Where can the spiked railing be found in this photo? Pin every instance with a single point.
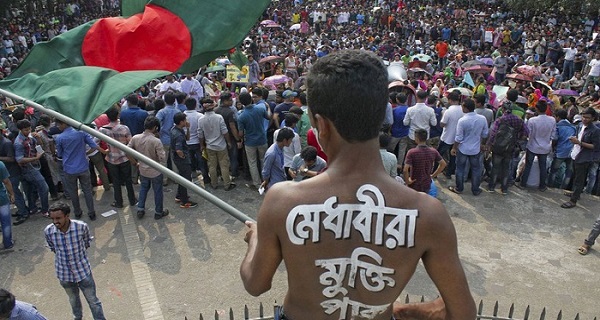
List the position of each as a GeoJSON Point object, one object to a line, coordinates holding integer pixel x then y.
{"type": "Point", "coordinates": [480, 313]}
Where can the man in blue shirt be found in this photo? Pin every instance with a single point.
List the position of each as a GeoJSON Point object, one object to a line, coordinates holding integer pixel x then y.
{"type": "Point", "coordinates": [70, 148]}
{"type": "Point", "coordinates": [165, 116]}
{"type": "Point", "coordinates": [470, 130]}
{"type": "Point", "coordinates": [13, 309]}
{"type": "Point", "coordinates": [250, 127]}
{"type": "Point", "coordinates": [563, 147]}
{"type": "Point", "coordinates": [133, 117]}
{"type": "Point", "coordinates": [399, 130]}
{"type": "Point", "coordinates": [273, 170]}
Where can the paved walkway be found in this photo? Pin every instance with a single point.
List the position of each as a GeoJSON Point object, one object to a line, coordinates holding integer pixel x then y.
{"type": "Point", "coordinates": [518, 248]}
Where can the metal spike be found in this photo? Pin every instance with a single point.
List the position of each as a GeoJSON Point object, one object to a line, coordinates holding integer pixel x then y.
{"type": "Point", "coordinates": [559, 315]}
{"type": "Point", "coordinates": [480, 309]}
{"type": "Point", "coordinates": [495, 309]}
{"type": "Point", "coordinates": [407, 299]}
{"type": "Point", "coordinates": [577, 316]}
{"type": "Point", "coordinates": [261, 310]}
{"type": "Point", "coordinates": [246, 312]}
{"type": "Point", "coordinates": [511, 311]}
{"type": "Point", "coordinates": [543, 315]}
{"type": "Point", "coordinates": [231, 314]}
{"type": "Point", "coordinates": [201, 317]}
{"type": "Point", "coordinates": [422, 298]}
{"type": "Point", "coordinates": [526, 317]}
{"type": "Point", "coordinates": [216, 315]}
{"type": "Point", "coordinates": [185, 317]}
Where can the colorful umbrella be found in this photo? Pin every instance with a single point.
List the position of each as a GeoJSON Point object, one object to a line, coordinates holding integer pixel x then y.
{"type": "Point", "coordinates": [266, 22]}
{"type": "Point", "coordinates": [472, 63]}
{"type": "Point", "coordinates": [396, 72]}
{"type": "Point", "coordinates": [463, 91]}
{"type": "Point", "coordinates": [273, 81]}
{"type": "Point", "coordinates": [272, 25]}
{"type": "Point", "coordinates": [295, 27]}
{"type": "Point", "coordinates": [270, 59]}
{"type": "Point", "coordinates": [530, 71]}
{"type": "Point", "coordinates": [414, 70]}
{"type": "Point", "coordinates": [542, 83]}
{"type": "Point", "coordinates": [401, 84]}
{"type": "Point", "coordinates": [488, 61]}
{"type": "Point", "coordinates": [481, 68]}
{"type": "Point", "coordinates": [421, 57]}
{"type": "Point", "coordinates": [518, 76]}
{"type": "Point", "coordinates": [565, 92]}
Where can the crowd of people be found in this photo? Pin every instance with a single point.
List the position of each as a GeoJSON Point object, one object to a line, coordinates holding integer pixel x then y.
{"type": "Point", "coordinates": [477, 92]}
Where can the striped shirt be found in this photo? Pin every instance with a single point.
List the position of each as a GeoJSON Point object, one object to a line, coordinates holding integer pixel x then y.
{"type": "Point", "coordinates": [120, 133]}
{"type": "Point", "coordinates": [70, 261]}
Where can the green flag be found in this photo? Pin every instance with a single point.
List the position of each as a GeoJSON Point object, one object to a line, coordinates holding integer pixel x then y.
{"type": "Point", "coordinates": [82, 72]}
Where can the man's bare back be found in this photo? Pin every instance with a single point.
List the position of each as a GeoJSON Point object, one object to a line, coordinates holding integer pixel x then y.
{"type": "Point", "coordinates": [351, 239]}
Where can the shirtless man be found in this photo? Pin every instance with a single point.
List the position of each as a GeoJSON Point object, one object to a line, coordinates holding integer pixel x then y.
{"type": "Point", "coordinates": [352, 236]}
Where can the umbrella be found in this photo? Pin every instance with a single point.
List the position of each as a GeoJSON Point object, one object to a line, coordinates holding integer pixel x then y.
{"type": "Point", "coordinates": [481, 68]}
{"type": "Point", "coordinates": [396, 72]}
{"type": "Point", "coordinates": [295, 27]}
{"type": "Point", "coordinates": [472, 63]}
{"type": "Point", "coordinates": [413, 70]}
{"type": "Point", "coordinates": [518, 76]}
{"type": "Point", "coordinates": [272, 25]}
{"type": "Point", "coordinates": [463, 91]}
{"type": "Point", "coordinates": [214, 69]}
{"type": "Point", "coordinates": [488, 61]}
{"type": "Point", "coordinates": [421, 57]}
{"type": "Point", "coordinates": [270, 59]}
{"type": "Point", "coordinates": [543, 84]}
{"type": "Point", "coordinates": [401, 84]}
{"type": "Point", "coordinates": [529, 71]}
{"type": "Point", "coordinates": [273, 81]}
{"type": "Point", "coordinates": [266, 22]}
{"type": "Point", "coordinates": [565, 92]}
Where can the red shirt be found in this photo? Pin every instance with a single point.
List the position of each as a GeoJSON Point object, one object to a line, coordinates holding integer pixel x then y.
{"type": "Point", "coordinates": [311, 140]}
{"type": "Point", "coordinates": [421, 160]}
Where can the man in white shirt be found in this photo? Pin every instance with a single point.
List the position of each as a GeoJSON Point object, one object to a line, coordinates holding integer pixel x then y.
{"type": "Point", "coordinates": [419, 116]}
{"type": "Point", "coordinates": [192, 88]}
{"type": "Point", "coordinates": [594, 70]}
{"type": "Point", "coordinates": [170, 84]}
{"type": "Point", "coordinates": [569, 64]}
{"type": "Point", "coordinates": [448, 123]}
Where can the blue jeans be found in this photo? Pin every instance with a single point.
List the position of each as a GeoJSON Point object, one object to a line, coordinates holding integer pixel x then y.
{"type": "Point", "coordinates": [591, 178]}
{"type": "Point", "coordinates": [591, 238]}
{"type": "Point", "coordinates": [476, 164]}
{"type": "Point", "coordinates": [157, 185]}
{"type": "Point", "coordinates": [22, 210]}
{"type": "Point", "coordinates": [233, 160]}
{"type": "Point", "coordinates": [88, 287]}
{"type": "Point", "coordinates": [529, 156]}
{"type": "Point", "coordinates": [38, 183]}
{"type": "Point", "coordinates": [556, 163]}
{"type": "Point", "coordinates": [198, 162]}
{"type": "Point", "coordinates": [86, 187]}
{"type": "Point", "coordinates": [6, 226]}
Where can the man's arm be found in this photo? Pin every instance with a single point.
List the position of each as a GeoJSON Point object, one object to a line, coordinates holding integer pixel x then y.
{"type": "Point", "coordinates": [441, 167]}
{"type": "Point", "coordinates": [264, 250]}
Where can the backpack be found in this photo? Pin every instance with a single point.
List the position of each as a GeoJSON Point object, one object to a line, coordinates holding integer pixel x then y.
{"type": "Point", "coordinates": [505, 139]}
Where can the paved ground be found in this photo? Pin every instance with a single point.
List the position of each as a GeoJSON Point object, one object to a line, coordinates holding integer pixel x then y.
{"type": "Point", "coordinates": [519, 248]}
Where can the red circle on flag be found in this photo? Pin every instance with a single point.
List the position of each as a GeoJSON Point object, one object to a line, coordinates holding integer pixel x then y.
{"type": "Point", "coordinates": [154, 40]}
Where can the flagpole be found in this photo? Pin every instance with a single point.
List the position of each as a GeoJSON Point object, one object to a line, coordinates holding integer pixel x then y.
{"type": "Point", "coordinates": [135, 154]}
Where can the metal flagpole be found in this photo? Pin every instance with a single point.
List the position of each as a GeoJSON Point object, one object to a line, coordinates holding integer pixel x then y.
{"type": "Point", "coordinates": [133, 153]}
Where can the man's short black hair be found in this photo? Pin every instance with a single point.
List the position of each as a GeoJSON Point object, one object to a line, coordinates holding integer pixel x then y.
{"type": "Point", "coordinates": [284, 134]}
{"type": "Point", "coordinates": [150, 122]}
{"type": "Point", "coordinates": [469, 104]}
{"type": "Point", "coordinates": [309, 153]}
{"type": "Point", "coordinates": [225, 96]}
{"type": "Point", "coordinates": [158, 104]}
{"type": "Point", "coordinates": [561, 114]}
{"type": "Point", "coordinates": [60, 206]}
{"type": "Point", "coordinates": [512, 95]}
{"type": "Point", "coordinates": [132, 100]}
{"type": "Point", "coordinates": [178, 117]}
{"type": "Point", "coordinates": [349, 88]}
{"type": "Point", "coordinates": [454, 95]}
{"type": "Point", "coordinates": [7, 303]}
{"type": "Point", "coordinates": [190, 103]}
{"type": "Point", "coordinates": [112, 113]}
{"type": "Point", "coordinates": [169, 98]}
{"type": "Point", "coordinates": [384, 140]}
{"type": "Point", "coordinates": [245, 98]}
{"type": "Point", "coordinates": [401, 98]}
{"type": "Point", "coordinates": [590, 111]}
{"type": "Point", "coordinates": [23, 123]}
{"type": "Point", "coordinates": [479, 98]}
{"type": "Point", "coordinates": [541, 106]}
{"type": "Point", "coordinates": [290, 119]}
{"type": "Point", "coordinates": [422, 94]}
{"type": "Point", "coordinates": [180, 97]}
{"type": "Point", "coordinates": [421, 135]}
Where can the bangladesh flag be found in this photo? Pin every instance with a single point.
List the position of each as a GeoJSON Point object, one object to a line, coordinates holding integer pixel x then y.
{"type": "Point", "coordinates": [84, 71]}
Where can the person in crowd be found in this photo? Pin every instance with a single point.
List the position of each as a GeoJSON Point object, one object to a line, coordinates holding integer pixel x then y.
{"type": "Point", "coordinates": [229, 115]}
{"type": "Point", "coordinates": [390, 162]}
{"type": "Point", "coordinates": [399, 131]}
{"type": "Point", "coordinates": [149, 145]}
{"type": "Point", "coordinates": [418, 171]}
{"type": "Point", "coordinates": [294, 148]}
{"type": "Point", "coordinates": [69, 240]}
{"type": "Point", "coordinates": [339, 102]}
{"type": "Point", "coordinates": [215, 138]}
{"type": "Point", "coordinates": [7, 196]}
{"type": "Point", "coordinates": [471, 132]}
{"type": "Point", "coordinates": [198, 162]}
{"type": "Point", "coordinates": [306, 164]}
{"type": "Point", "coordinates": [273, 169]}
{"type": "Point", "coordinates": [119, 164]}
{"type": "Point", "coordinates": [251, 128]}
{"type": "Point", "coordinates": [70, 147]}
{"type": "Point", "coordinates": [181, 157]}
{"type": "Point", "coordinates": [13, 309]}
{"type": "Point", "coordinates": [419, 116]}
{"type": "Point", "coordinates": [586, 150]}
{"type": "Point", "coordinates": [7, 156]}
{"type": "Point", "coordinates": [562, 150]}
{"type": "Point", "coordinates": [449, 122]}
{"type": "Point", "coordinates": [166, 116]}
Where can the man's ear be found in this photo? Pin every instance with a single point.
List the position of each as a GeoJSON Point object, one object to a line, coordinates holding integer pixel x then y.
{"type": "Point", "coordinates": [324, 127]}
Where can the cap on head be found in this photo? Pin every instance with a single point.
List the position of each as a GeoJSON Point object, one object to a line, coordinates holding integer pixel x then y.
{"type": "Point", "coordinates": [288, 94]}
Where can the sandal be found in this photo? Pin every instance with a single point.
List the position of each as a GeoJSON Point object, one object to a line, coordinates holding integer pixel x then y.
{"type": "Point", "coordinates": [568, 193]}
{"type": "Point", "coordinates": [568, 205]}
{"type": "Point", "coordinates": [453, 189]}
{"type": "Point", "coordinates": [583, 250]}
